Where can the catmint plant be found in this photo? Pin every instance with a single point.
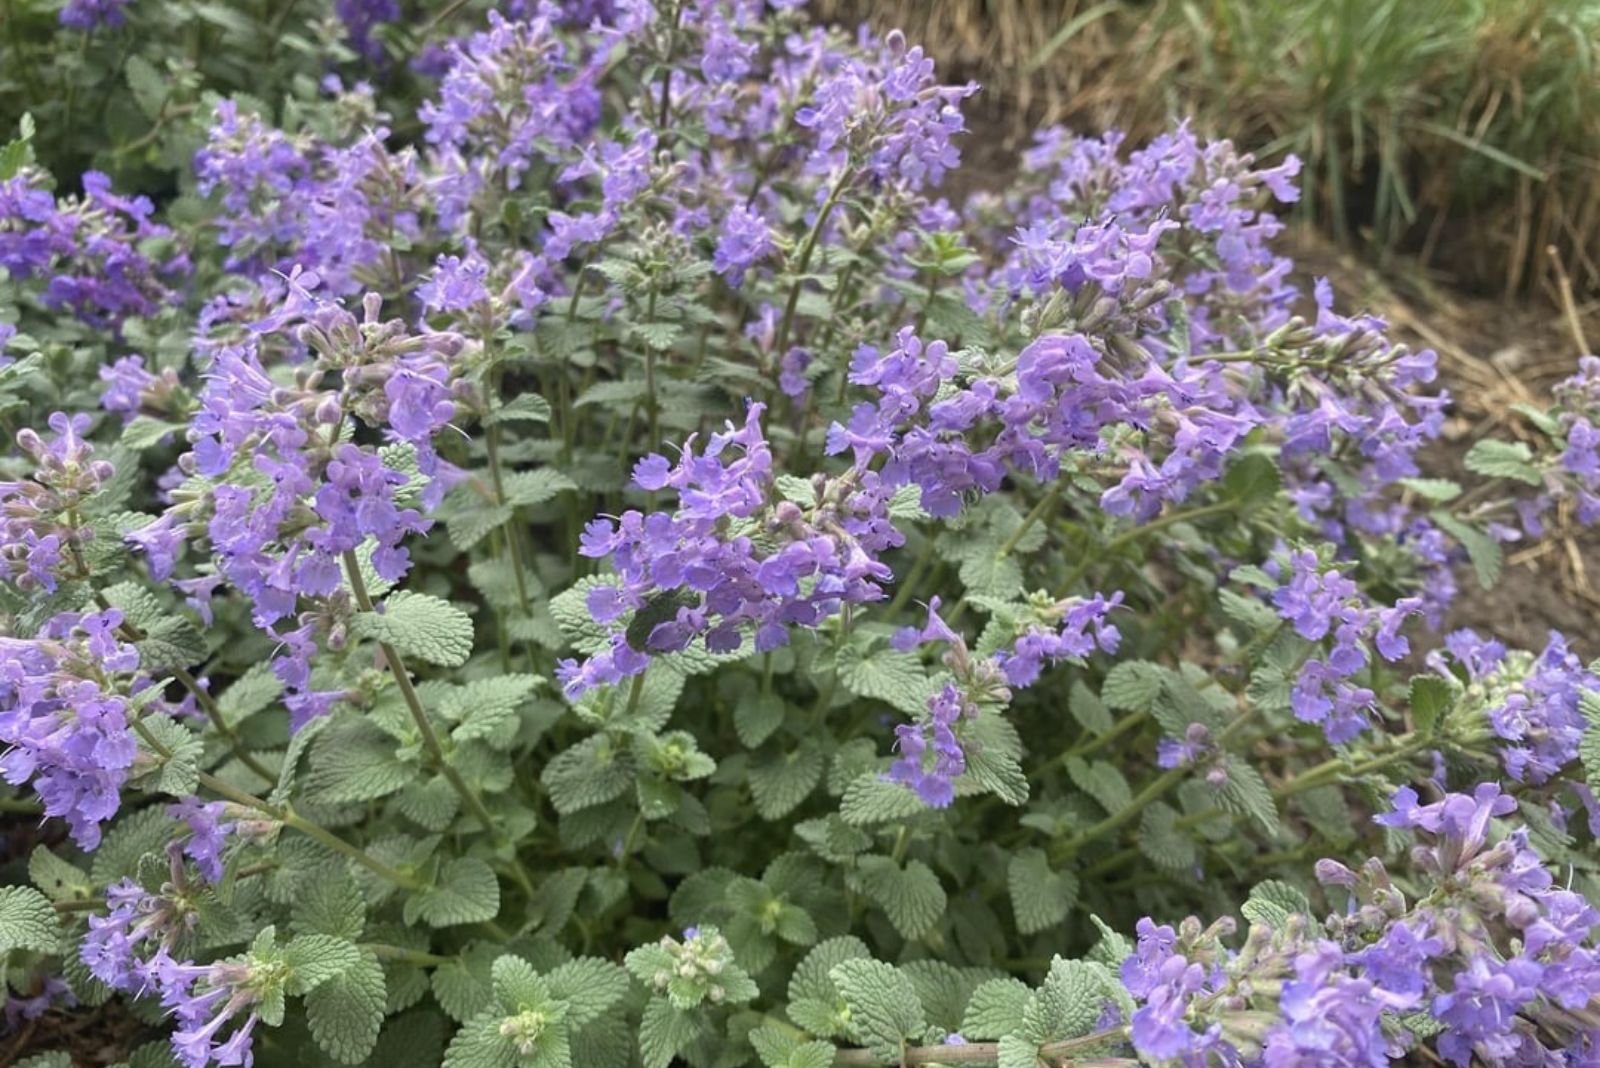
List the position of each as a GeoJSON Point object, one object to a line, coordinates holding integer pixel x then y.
{"type": "Point", "coordinates": [551, 535]}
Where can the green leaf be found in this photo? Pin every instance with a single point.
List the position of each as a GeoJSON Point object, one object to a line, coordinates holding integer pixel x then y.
{"type": "Point", "coordinates": [535, 487]}
{"type": "Point", "coordinates": [60, 880]}
{"type": "Point", "coordinates": [251, 692]}
{"type": "Point", "coordinates": [1040, 896]}
{"type": "Point", "coordinates": [1431, 698]}
{"type": "Point", "coordinates": [589, 986]}
{"type": "Point", "coordinates": [780, 783]}
{"type": "Point", "coordinates": [479, 1044]}
{"type": "Point", "coordinates": [885, 1012]}
{"type": "Point", "coordinates": [1245, 793]}
{"type": "Point", "coordinates": [885, 675]}
{"type": "Point", "coordinates": [525, 407]}
{"type": "Point", "coordinates": [1436, 490]}
{"type": "Point", "coordinates": [1088, 709]}
{"type": "Point", "coordinates": [995, 1009]}
{"type": "Point", "coordinates": [1589, 745]}
{"type": "Point", "coordinates": [313, 959]}
{"type": "Point", "coordinates": [1482, 549]}
{"type": "Point", "coordinates": [1273, 902]}
{"type": "Point", "coordinates": [590, 773]}
{"type": "Point", "coordinates": [356, 761]}
{"type": "Point", "coordinates": [664, 1032]}
{"type": "Point", "coordinates": [1102, 781]}
{"type": "Point", "coordinates": [1503, 459]}
{"type": "Point", "coordinates": [346, 1012]}
{"type": "Point", "coordinates": [1162, 842]}
{"type": "Point", "coordinates": [814, 1000]}
{"type": "Point", "coordinates": [911, 897]}
{"type": "Point", "coordinates": [421, 626]}
{"type": "Point", "coordinates": [1252, 481]}
{"type": "Point", "coordinates": [869, 800]}
{"type": "Point", "coordinates": [1133, 685]}
{"type": "Point", "coordinates": [756, 717]}
{"type": "Point", "coordinates": [1069, 1002]}
{"type": "Point", "coordinates": [27, 921]}
{"type": "Point", "coordinates": [330, 904]}
{"type": "Point", "coordinates": [177, 773]}
{"type": "Point", "coordinates": [487, 708]}
{"type": "Point", "coordinates": [466, 892]}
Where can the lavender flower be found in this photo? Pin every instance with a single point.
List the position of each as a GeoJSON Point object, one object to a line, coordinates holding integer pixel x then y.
{"type": "Point", "coordinates": [67, 732]}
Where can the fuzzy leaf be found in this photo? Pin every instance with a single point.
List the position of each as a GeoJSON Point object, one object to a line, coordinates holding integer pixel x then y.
{"type": "Point", "coordinates": [1503, 459]}
{"type": "Point", "coordinates": [781, 783]}
{"type": "Point", "coordinates": [346, 1012]}
{"type": "Point", "coordinates": [27, 921]}
{"type": "Point", "coordinates": [1040, 896]}
{"type": "Point", "coordinates": [995, 1009]}
{"type": "Point", "coordinates": [912, 896]}
{"type": "Point", "coordinates": [885, 1012]}
{"type": "Point", "coordinates": [467, 892]}
{"type": "Point", "coordinates": [420, 625]}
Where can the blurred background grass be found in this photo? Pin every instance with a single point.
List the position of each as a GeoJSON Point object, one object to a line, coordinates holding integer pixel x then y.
{"type": "Point", "coordinates": [1461, 135]}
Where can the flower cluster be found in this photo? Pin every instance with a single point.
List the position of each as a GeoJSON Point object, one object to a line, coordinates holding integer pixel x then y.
{"type": "Point", "coordinates": [66, 721]}
{"type": "Point", "coordinates": [42, 520]}
{"type": "Point", "coordinates": [1529, 702]}
{"type": "Point", "coordinates": [1498, 954]}
{"type": "Point", "coordinates": [100, 255]}
{"type": "Point", "coordinates": [1321, 603]}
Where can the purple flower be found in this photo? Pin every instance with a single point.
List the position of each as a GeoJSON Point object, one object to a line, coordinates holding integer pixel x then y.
{"type": "Point", "coordinates": [87, 14]}
{"type": "Point", "coordinates": [745, 240]}
{"type": "Point", "coordinates": [67, 735]}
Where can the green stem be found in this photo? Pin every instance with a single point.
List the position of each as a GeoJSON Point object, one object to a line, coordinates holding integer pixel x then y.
{"type": "Point", "coordinates": [1152, 792]}
{"type": "Point", "coordinates": [402, 955]}
{"type": "Point", "coordinates": [804, 263]}
{"type": "Point", "coordinates": [1129, 536]}
{"type": "Point", "coordinates": [286, 815]}
{"type": "Point", "coordinates": [1100, 741]}
{"type": "Point", "coordinates": [1029, 520]}
{"type": "Point", "coordinates": [214, 713]}
{"type": "Point", "coordinates": [419, 716]}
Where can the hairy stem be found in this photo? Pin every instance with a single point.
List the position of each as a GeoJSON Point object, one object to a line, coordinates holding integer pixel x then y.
{"type": "Point", "coordinates": [419, 716]}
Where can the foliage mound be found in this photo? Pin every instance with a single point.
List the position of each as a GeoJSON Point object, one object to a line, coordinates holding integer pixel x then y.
{"type": "Point", "coordinates": [601, 566]}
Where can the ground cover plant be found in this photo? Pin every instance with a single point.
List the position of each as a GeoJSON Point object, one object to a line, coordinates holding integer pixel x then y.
{"type": "Point", "coordinates": [556, 546]}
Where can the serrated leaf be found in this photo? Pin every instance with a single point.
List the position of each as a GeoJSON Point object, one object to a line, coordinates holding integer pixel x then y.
{"type": "Point", "coordinates": [1162, 842]}
{"type": "Point", "coordinates": [535, 487]}
{"type": "Point", "coordinates": [781, 782]}
{"type": "Point", "coordinates": [330, 904]}
{"type": "Point", "coordinates": [589, 773]}
{"type": "Point", "coordinates": [1040, 896]}
{"type": "Point", "coordinates": [27, 921]}
{"type": "Point", "coordinates": [1245, 793]}
{"type": "Point", "coordinates": [346, 1012]}
{"type": "Point", "coordinates": [421, 626]}
{"type": "Point", "coordinates": [885, 1013]}
{"type": "Point", "coordinates": [589, 986]}
{"type": "Point", "coordinates": [313, 959]}
{"type": "Point", "coordinates": [756, 717]}
{"type": "Point", "coordinates": [995, 1009]}
{"type": "Point", "coordinates": [1503, 459]}
{"type": "Point", "coordinates": [885, 675]}
{"type": "Point", "coordinates": [663, 1032]}
{"type": "Point", "coordinates": [1273, 902]}
{"type": "Point", "coordinates": [1431, 698]}
{"type": "Point", "coordinates": [58, 879]}
{"type": "Point", "coordinates": [1102, 781]}
{"type": "Point", "coordinates": [466, 892]}
{"type": "Point", "coordinates": [1069, 1002]}
{"type": "Point", "coordinates": [1133, 685]}
{"type": "Point", "coordinates": [912, 897]}
{"type": "Point", "coordinates": [869, 800]}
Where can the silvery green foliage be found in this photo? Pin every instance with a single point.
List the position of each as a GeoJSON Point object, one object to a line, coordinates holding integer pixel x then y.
{"type": "Point", "coordinates": [599, 565]}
